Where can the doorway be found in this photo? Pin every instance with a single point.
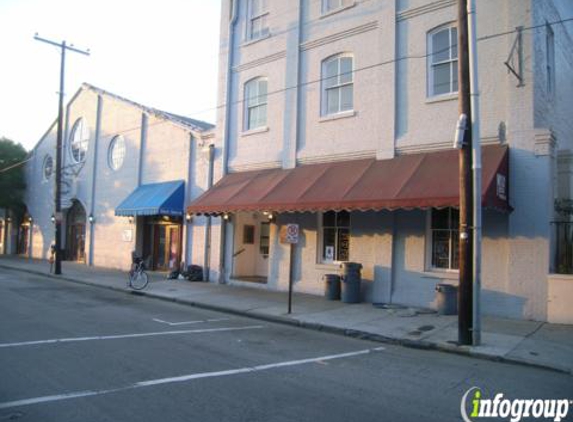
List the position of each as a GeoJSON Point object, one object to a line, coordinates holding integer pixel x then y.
{"type": "Point", "coordinates": [251, 247]}
{"type": "Point", "coordinates": [24, 238]}
{"type": "Point", "coordinates": [162, 243]}
{"type": "Point", "coordinates": [76, 233]}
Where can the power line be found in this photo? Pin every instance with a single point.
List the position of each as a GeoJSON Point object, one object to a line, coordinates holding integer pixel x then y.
{"type": "Point", "coordinates": [375, 65]}
{"type": "Point", "coordinates": [16, 165]}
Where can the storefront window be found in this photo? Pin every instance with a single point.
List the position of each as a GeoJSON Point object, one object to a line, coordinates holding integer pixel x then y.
{"type": "Point", "coordinates": [445, 235]}
{"type": "Point", "coordinates": [335, 236]}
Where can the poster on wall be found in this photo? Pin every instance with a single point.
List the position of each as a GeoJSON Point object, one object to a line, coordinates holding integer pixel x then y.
{"type": "Point", "coordinates": [127, 235]}
{"type": "Point", "coordinates": [329, 253]}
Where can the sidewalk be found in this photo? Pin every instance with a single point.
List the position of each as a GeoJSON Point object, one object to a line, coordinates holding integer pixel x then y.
{"type": "Point", "coordinates": [525, 342]}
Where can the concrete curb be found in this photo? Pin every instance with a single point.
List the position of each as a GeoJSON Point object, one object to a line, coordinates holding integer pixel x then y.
{"type": "Point", "coordinates": [363, 335]}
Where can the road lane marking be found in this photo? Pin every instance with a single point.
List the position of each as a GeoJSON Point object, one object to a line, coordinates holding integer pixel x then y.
{"type": "Point", "coordinates": [174, 324]}
{"type": "Point", "coordinates": [122, 336]}
{"type": "Point", "coordinates": [183, 378]}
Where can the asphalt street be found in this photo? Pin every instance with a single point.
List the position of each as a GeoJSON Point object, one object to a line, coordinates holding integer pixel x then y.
{"type": "Point", "coordinates": [72, 352]}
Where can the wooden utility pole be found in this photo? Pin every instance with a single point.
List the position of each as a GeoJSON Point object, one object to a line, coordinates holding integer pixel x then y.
{"type": "Point", "coordinates": [58, 189]}
{"type": "Point", "coordinates": [465, 291]}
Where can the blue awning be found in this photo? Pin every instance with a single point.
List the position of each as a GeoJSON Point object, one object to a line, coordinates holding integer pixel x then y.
{"type": "Point", "coordinates": [154, 199]}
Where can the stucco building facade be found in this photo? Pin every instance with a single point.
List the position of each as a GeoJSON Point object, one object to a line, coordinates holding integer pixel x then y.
{"type": "Point", "coordinates": [113, 148]}
{"type": "Point", "coordinates": [311, 83]}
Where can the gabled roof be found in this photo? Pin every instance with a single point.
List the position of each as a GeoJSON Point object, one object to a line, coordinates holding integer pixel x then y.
{"type": "Point", "coordinates": [193, 124]}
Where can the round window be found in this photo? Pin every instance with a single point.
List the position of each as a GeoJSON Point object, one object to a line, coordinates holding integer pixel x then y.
{"type": "Point", "coordinates": [116, 153]}
{"type": "Point", "coordinates": [79, 140]}
{"type": "Point", "coordinates": [48, 167]}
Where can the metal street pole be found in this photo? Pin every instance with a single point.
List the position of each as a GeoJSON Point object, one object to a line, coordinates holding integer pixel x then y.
{"type": "Point", "coordinates": [476, 159]}
{"type": "Point", "coordinates": [57, 192]}
{"type": "Point", "coordinates": [465, 296]}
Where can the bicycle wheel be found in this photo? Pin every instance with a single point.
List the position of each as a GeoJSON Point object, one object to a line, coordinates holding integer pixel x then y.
{"type": "Point", "coordinates": [139, 280]}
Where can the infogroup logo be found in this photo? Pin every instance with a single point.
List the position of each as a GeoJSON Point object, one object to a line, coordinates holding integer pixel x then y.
{"type": "Point", "coordinates": [515, 410]}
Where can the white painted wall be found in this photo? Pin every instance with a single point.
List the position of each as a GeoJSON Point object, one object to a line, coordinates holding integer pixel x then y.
{"type": "Point", "coordinates": [393, 115]}
{"type": "Point", "coordinates": [169, 153]}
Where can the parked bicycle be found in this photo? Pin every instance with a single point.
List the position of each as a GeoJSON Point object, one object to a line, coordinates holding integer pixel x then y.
{"type": "Point", "coordinates": [138, 279]}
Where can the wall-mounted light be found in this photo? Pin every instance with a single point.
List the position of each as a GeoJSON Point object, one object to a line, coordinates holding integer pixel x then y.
{"type": "Point", "coordinates": [188, 217]}
{"type": "Point", "coordinates": [91, 219]}
{"type": "Point", "coordinates": [30, 220]}
{"type": "Point", "coordinates": [9, 219]}
{"type": "Point", "coordinates": [53, 218]}
{"type": "Point", "coordinates": [271, 216]}
{"type": "Point", "coordinates": [226, 217]}
{"type": "Point", "coordinates": [130, 219]}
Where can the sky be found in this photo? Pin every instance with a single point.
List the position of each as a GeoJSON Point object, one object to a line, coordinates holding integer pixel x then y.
{"type": "Point", "coordinates": [162, 54]}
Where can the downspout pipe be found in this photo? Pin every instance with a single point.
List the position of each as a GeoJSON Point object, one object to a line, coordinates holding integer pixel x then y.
{"type": "Point", "coordinates": [476, 168]}
{"type": "Point", "coordinates": [228, 104]}
{"type": "Point", "coordinates": [207, 262]}
{"type": "Point", "coordinates": [94, 179]}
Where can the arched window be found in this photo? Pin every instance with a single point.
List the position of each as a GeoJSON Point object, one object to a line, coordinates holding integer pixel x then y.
{"type": "Point", "coordinates": [116, 152]}
{"type": "Point", "coordinates": [256, 103]}
{"type": "Point", "coordinates": [443, 61]}
{"type": "Point", "coordinates": [48, 167]}
{"type": "Point", "coordinates": [79, 140]}
{"type": "Point", "coordinates": [337, 84]}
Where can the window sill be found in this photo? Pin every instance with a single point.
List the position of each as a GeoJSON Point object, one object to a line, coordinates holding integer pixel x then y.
{"type": "Point", "coordinates": [255, 40]}
{"type": "Point", "coordinates": [338, 10]}
{"type": "Point", "coordinates": [441, 98]}
{"type": "Point", "coordinates": [328, 266]}
{"type": "Point", "coordinates": [438, 274]}
{"type": "Point", "coordinates": [336, 116]}
{"type": "Point", "coordinates": [255, 131]}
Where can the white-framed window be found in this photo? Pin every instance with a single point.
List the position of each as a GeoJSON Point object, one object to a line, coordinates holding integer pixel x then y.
{"type": "Point", "coordinates": [331, 5]}
{"type": "Point", "coordinates": [337, 84]}
{"type": "Point", "coordinates": [335, 236]}
{"type": "Point", "coordinates": [79, 140]}
{"type": "Point", "coordinates": [256, 103]}
{"type": "Point", "coordinates": [257, 26]}
{"type": "Point", "coordinates": [443, 61]}
{"type": "Point", "coordinates": [116, 152]}
{"type": "Point", "coordinates": [444, 239]}
{"type": "Point", "coordinates": [48, 167]}
{"type": "Point", "coordinates": [550, 59]}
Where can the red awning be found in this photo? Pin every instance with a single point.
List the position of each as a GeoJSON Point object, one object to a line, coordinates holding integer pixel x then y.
{"type": "Point", "coordinates": [405, 182]}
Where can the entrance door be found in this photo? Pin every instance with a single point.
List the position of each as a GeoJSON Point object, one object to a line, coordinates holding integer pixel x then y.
{"type": "Point", "coordinates": [23, 239]}
{"type": "Point", "coordinates": [165, 242]}
{"type": "Point", "coordinates": [262, 256]}
{"type": "Point", "coordinates": [76, 233]}
{"type": "Point", "coordinates": [77, 245]}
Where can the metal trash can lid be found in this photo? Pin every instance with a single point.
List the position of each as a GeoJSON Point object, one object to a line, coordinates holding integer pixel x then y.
{"type": "Point", "coordinates": [446, 288]}
{"type": "Point", "coordinates": [351, 265]}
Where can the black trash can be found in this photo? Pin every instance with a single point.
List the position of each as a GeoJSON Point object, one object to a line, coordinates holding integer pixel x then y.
{"type": "Point", "coordinates": [331, 286]}
{"type": "Point", "coordinates": [351, 277]}
{"type": "Point", "coordinates": [447, 299]}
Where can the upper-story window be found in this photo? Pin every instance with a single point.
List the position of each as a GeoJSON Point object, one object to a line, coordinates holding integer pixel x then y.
{"type": "Point", "coordinates": [79, 140]}
{"type": "Point", "coordinates": [256, 103]}
{"type": "Point", "coordinates": [116, 152]}
{"type": "Point", "coordinates": [48, 167]}
{"type": "Point", "coordinates": [550, 51]}
{"type": "Point", "coordinates": [257, 22]}
{"type": "Point", "coordinates": [331, 5]}
{"type": "Point", "coordinates": [443, 61]}
{"type": "Point", "coordinates": [337, 84]}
